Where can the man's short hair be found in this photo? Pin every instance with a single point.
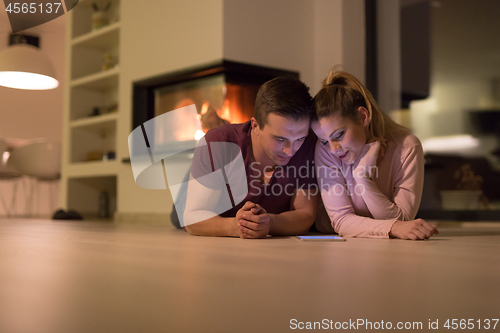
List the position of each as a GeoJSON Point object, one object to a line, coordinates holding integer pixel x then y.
{"type": "Point", "coordinates": [286, 96]}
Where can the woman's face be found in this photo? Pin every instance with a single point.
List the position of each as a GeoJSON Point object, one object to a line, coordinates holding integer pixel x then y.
{"type": "Point", "coordinates": [344, 137]}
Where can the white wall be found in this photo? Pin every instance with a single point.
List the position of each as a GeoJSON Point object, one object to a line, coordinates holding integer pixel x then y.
{"type": "Point", "coordinates": [158, 37]}
{"type": "Point", "coordinates": [328, 32]}
{"type": "Point", "coordinates": [26, 114]}
{"type": "Point", "coordinates": [278, 33]}
{"type": "Point", "coordinates": [353, 38]}
{"type": "Point", "coordinates": [339, 39]}
{"type": "Point", "coordinates": [302, 35]}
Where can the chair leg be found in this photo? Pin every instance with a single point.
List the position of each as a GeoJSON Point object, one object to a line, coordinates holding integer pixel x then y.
{"type": "Point", "coordinates": [10, 209]}
{"type": "Point", "coordinates": [14, 198]}
{"type": "Point", "coordinates": [31, 197]}
{"type": "Point", "coordinates": [4, 204]}
{"type": "Point", "coordinates": [27, 193]}
{"type": "Point", "coordinates": [52, 207]}
{"type": "Point", "coordinates": [38, 198]}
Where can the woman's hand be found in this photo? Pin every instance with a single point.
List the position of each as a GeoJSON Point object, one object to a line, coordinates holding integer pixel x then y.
{"type": "Point", "coordinates": [367, 162]}
{"type": "Point", "coordinates": [414, 230]}
{"type": "Point", "coordinates": [383, 144]}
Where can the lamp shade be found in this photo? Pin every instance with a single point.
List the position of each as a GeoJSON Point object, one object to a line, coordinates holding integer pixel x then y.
{"type": "Point", "coordinates": [23, 66]}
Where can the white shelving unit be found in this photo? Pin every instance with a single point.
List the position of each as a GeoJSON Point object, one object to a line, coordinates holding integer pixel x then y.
{"type": "Point", "coordinates": [99, 39]}
{"type": "Point", "coordinates": [98, 81]}
{"type": "Point", "coordinates": [91, 86]}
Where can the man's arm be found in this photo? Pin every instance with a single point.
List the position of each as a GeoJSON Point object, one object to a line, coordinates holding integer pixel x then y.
{"type": "Point", "coordinates": [215, 226]}
{"type": "Point", "coordinates": [223, 226]}
{"type": "Point", "coordinates": [199, 216]}
{"type": "Point", "coordinates": [299, 218]}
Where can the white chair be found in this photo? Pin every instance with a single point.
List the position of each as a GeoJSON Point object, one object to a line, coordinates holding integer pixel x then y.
{"type": "Point", "coordinates": [10, 175]}
{"type": "Point", "coordinates": [40, 160]}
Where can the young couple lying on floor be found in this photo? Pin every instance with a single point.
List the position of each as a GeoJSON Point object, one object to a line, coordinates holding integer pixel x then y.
{"type": "Point", "coordinates": [265, 176]}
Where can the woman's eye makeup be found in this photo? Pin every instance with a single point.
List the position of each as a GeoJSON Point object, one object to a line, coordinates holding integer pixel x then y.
{"type": "Point", "coordinates": [340, 135]}
{"type": "Point", "coordinates": [337, 137]}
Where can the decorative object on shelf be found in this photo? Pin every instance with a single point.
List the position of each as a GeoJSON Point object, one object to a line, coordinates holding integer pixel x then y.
{"type": "Point", "coordinates": [24, 66]}
{"type": "Point", "coordinates": [108, 155]}
{"type": "Point", "coordinates": [468, 195]}
{"type": "Point", "coordinates": [99, 17]}
{"type": "Point", "coordinates": [109, 61]}
{"type": "Point", "coordinates": [112, 108]}
{"type": "Point", "coordinates": [95, 112]}
{"type": "Point", "coordinates": [99, 155]}
{"type": "Point", "coordinates": [95, 155]}
{"type": "Point", "coordinates": [101, 110]}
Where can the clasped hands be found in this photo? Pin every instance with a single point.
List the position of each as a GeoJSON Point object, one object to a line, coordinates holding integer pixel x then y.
{"type": "Point", "coordinates": [366, 163]}
{"type": "Point", "coordinates": [252, 221]}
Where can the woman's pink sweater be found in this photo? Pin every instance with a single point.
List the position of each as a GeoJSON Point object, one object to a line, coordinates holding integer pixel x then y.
{"type": "Point", "coordinates": [362, 207]}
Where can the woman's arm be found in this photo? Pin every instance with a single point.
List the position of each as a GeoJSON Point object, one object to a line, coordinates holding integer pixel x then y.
{"type": "Point", "coordinates": [407, 189]}
{"type": "Point", "coordinates": [339, 205]}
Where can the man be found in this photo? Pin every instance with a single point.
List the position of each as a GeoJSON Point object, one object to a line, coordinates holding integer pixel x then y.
{"type": "Point", "coordinates": [274, 160]}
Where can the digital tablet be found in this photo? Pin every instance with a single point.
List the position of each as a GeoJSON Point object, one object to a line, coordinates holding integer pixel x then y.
{"type": "Point", "coordinates": [325, 238]}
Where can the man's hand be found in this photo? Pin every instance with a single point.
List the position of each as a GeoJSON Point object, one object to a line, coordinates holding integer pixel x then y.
{"type": "Point", "coordinates": [253, 221]}
{"type": "Point", "coordinates": [239, 216]}
{"type": "Point", "coordinates": [414, 230]}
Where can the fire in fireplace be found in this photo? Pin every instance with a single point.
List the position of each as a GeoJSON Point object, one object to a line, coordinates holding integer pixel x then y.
{"type": "Point", "coordinates": [223, 92]}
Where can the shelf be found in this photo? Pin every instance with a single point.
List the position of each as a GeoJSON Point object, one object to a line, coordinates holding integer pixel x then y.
{"type": "Point", "coordinates": [88, 3]}
{"type": "Point", "coordinates": [98, 137]}
{"type": "Point", "coordinates": [81, 23]}
{"type": "Point", "coordinates": [95, 121]}
{"type": "Point", "coordinates": [86, 194]}
{"type": "Point", "coordinates": [90, 87]}
{"type": "Point", "coordinates": [92, 169]}
{"type": "Point", "coordinates": [99, 39]}
{"type": "Point", "coordinates": [102, 80]}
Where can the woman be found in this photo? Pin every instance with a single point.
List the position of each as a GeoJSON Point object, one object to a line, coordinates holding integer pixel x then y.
{"type": "Point", "coordinates": [370, 169]}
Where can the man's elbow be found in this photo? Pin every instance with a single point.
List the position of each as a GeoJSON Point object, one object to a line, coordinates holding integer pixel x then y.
{"type": "Point", "coordinates": [191, 220]}
{"type": "Point", "coordinates": [190, 229]}
{"type": "Point", "coordinates": [308, 221]}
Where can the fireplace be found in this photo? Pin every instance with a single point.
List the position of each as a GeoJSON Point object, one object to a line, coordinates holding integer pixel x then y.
{"type": "Point", "coordinates": [172, 112]}
{"type": "Point", "coordinates": [223, 92]}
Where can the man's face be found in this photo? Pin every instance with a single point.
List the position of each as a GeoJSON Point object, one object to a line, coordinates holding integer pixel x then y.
{"type": "Point", "coordinates": [281, 137]}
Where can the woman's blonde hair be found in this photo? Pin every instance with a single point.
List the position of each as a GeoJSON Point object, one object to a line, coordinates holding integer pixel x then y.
{"type": "Point", "coordinates": [342, 92]}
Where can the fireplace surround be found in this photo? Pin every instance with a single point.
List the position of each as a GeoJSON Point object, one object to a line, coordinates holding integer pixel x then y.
{"type": "Point", "coordinates": [162, 142]}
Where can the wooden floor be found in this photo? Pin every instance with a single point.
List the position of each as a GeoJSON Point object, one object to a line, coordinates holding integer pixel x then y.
{"type": "Point", "coordinates": [61, 276]}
